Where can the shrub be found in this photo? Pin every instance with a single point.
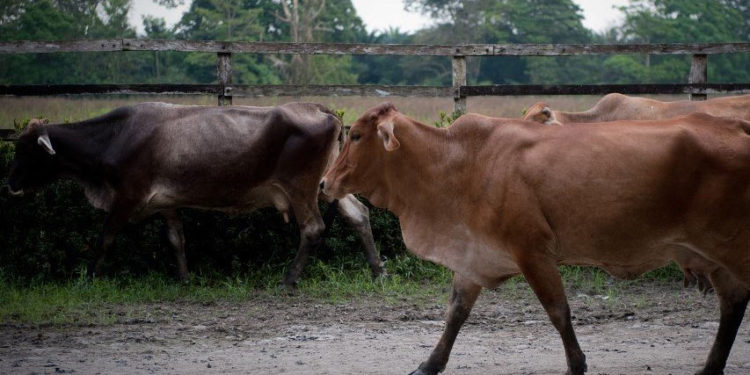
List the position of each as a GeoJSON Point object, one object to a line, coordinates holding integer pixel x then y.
{"type": "Point", "coordinates": [51, 235]}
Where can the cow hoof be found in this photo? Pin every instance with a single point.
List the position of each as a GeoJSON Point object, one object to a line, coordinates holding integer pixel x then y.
{"type": "Point", "coordinates": [420, 371]}
{"type": "Point", "coordinates": [288, 289]}
{"type": "Point", "coordinates": [709, 372]}
{"type": "Point", "coordinates": [578, 371]}
{"type": "Point", "coordinates": [424, 370]}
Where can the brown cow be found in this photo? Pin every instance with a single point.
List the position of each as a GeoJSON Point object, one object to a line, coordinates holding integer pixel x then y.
{"type": "Point", "coordinates": [517, 198]}
{"type": "Point", "coordinates": [155, 157]}
{"type": "Point", "coordinates": [614, 107]}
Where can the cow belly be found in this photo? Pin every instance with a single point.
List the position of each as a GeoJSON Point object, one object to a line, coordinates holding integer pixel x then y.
{"type": "Point", "coordinates": [230, 201]}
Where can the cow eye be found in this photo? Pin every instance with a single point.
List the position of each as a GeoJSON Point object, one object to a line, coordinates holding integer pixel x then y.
{"type": "Point", "coordinates": [354, 136]}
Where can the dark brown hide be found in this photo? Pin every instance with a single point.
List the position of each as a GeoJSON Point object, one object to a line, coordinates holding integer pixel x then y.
{"type": "Point", "coordinates": [156, 157]}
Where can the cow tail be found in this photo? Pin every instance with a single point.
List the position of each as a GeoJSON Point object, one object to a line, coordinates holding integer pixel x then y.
{"type": "Point", "coordinates": [339, 139]}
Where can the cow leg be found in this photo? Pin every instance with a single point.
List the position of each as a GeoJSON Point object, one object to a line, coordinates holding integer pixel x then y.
{"type": "Point", "coordinates": [733, 299]}
{"type": "Point", "coordinates": [176, 237]}
{"type": "Point", "coordinates": [545, 280]}
{"type": "Point", "coordinates": [114, 222]}
{"type": "Point", "coordinates": [358, 217]}
{"type": "Point", "coordinates": [310, 229]}
{"type": "Point", "coordinates": [462, 299]}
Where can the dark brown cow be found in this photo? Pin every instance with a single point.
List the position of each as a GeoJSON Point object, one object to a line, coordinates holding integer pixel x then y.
{"type": "Point", "coordinates": [518, 198]}
{"type": "Point", "coordinates": [155, 157]}
{"type": "Point", "coordinates": [614, 107]}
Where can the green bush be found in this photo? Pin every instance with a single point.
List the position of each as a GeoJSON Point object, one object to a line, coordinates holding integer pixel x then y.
{"type": "Point", "coordinates": [51, 235]}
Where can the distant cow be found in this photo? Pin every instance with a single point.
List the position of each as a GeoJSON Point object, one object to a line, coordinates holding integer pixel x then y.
{"type": "Point", "coordinates": [614, 107]}
{"type": "Point", "coordinates": [491, 198]}
{"type": "Point", "coordinates": [155, 157]}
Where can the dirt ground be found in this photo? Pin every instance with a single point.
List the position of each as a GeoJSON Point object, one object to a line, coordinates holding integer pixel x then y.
{"type": "Point", "coordinates": [642, 330]}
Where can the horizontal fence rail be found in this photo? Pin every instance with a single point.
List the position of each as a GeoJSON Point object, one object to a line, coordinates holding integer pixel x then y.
{"type": "Point", "coordinates": [383, 91]}
{"type": "Point", "coordinates": [112, 45]}
{"type": "Point", "coordinates": [697, 86]}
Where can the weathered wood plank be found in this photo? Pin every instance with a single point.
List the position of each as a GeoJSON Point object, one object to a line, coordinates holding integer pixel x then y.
{"type": "Point", "coordinates": [599, 49]}
{"type": "Point", "coordinates": [368, 49]}
{"type": "Point", "coordinates": [224, 73]}
{"type": "Point", "coordinates": [634, 89]}
{"type": "Point", "coordinates": [30, 46]}
{"type": "Point", "coordinates": [40, 90]}
{"type": "Point", "coordinates": [7, 134]}
{"type": "Point", "coordinates": [699, 74]}
{"type": "Point", "coordinates": [459, 79]}
{"type": "Point", "coordinates": [341, 90]}
{"type": "Point", "coordinates": [374, 90]}
{"type": "Point", "coordinates": [307, 48]}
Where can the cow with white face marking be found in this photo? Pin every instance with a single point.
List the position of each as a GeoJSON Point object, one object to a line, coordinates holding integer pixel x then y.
{"type": "Point", "coordinates": [155, 157]}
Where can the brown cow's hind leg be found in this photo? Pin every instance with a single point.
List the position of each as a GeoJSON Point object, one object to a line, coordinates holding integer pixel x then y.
{"type": "Point", "coordinates": [462, 299]}
{"type": "Point", "coordinates": [546, 282]}
{"type": "Point", "coordinates": [176, 237]}
{"type": "Point", "coordinates": [733, 299]}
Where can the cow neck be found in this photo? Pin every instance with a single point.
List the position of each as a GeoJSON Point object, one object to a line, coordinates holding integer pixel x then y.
{"type": "Point", "coordinates": [79, 148]}
{"type": "Point", "coordinates": [415, 172]}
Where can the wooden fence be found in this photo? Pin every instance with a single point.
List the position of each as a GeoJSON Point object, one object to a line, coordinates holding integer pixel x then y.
{"type": "Point", "coordinates": [697, 86]}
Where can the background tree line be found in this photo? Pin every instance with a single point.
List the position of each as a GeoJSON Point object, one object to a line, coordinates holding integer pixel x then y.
{"type": "Point", "coordinates": [455, 21]}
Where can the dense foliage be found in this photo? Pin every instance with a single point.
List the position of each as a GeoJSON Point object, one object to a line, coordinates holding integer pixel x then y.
{"type": "Point", "coordinates": [455, 21]}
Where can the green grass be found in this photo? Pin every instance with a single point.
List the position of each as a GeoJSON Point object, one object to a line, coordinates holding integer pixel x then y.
{"type": "Point", "coordinates": [85, 301]}
{"type": "Point", "coordinates": [82, 301]}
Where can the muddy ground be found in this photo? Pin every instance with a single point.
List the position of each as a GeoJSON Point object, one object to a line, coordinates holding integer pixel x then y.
{"type": "Point", "coordinates": [644, 329]}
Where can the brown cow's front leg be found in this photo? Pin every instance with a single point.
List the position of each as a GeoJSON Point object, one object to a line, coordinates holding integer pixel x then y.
{"type": "Point", "coordinates": [462, 299]}
{"type": "Point", "coordinates": [733, 299]}
{"type": "Point", "coordinates": [176, 237]}
{"type": "Point", "coordinates": [310, 228]}
{"type": "Point", "coordinates": [358, 217]}
{"type": "Point", "coordinates": [545, 280]}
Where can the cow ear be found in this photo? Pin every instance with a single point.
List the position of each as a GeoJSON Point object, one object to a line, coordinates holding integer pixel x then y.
{"type": "Point", "coordinates": [46, 144]}
{"type": "Point", "coordinates": [385, 132]}
{"type": "Point", "coordinates": [550, 117]}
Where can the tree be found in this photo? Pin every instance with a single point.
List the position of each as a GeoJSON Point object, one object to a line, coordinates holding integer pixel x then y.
{"type": "Point", "coordinates": [60, 20]}
{"type": "Point", "coordinates": [510, 21]}
{"type": "Point", "coordinates": [318, 20]}
{"type": "Point", "coordinates": [687, 21]}
{"type": "Point", "coordinates": [234, 20]}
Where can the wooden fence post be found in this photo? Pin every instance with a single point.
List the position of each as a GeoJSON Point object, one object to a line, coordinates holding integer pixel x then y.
{"type": "Point", "coordinates": [459, 79]}
{"type": "Point", "coordinates": [699, 74]}
{"type": "Point", "coordinates": [224, 73]}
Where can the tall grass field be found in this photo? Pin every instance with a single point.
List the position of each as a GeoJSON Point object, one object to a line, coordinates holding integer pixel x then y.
{"type": "Point", "coordinates": [71, 109]}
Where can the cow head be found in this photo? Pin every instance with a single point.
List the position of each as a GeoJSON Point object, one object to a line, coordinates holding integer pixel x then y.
{"type": "Point", "coordinates": [360, 165]}
{"type": "Point", "coordinates": [542, 114]}
{"type": "Point", "coordinates": [34, 161]}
